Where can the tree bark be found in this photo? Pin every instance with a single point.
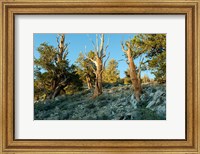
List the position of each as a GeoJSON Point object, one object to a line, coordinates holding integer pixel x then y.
{"type": "Point", "coordinates": [136, 84]}
{"type": "Point", "coordinates": [100, 53]}
{"type": "Point", "coordinates": [89, 83]}
{"type": "Point", "coordinates": [61, 48]}
{"type": "Point", "coordinates": [98, 80]}
{"type": "Point", "coordinates": [134, 79]}
{"type": "Point", "coordinates": [57, 91]}
{"type": "Point", "coordinates": [56, 87]}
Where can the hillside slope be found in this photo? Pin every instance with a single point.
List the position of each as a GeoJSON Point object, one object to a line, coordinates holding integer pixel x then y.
{"type": "Point", "coordinates": [116, 103]}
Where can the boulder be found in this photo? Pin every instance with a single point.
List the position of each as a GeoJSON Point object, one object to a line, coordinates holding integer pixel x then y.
{"type": "Point", "coordinates": [161, 110]}
{"type": "Point", "coordinates": [158, 102]}
{"type": "Point", "coordinates": [133, 101]}
{"type": "Point", "coordinates": [157, 99]}
{"type": "Point", "coordinates": [60, 98]}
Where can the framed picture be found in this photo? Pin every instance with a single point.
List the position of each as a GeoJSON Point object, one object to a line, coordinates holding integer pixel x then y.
{"type": "Point", "coordinates": [99, 76]}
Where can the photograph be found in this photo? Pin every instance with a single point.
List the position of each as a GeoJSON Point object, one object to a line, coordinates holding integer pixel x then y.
{"type": "Point", "coordinates": [99, 76]}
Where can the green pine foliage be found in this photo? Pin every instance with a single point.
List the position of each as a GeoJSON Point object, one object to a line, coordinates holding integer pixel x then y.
{"type": "Point", "coordinates": [85, 68]}
{"type": "Point", "coordinates": [111, 74]}
{"type": "Point", "coordinates": [154, 48]}
{"type": "Point", "coordinates": [49, 73]}
{"type": "Point", "coordinates": [127, 79]}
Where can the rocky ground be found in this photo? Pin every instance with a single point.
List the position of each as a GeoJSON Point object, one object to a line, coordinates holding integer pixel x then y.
{"type": "Point", "coordinates": [116, 103]}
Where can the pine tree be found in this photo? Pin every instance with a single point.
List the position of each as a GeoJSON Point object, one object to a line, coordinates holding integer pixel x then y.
{"type": "Point", "coordinates": [154, 47]}
{"type": "Point", "coordinates": [85, 67]}
{"type": "Point", "coordinates": [145, 79]}
{"type": "Point", "coordinates": [111, 74]}
{"type": "Point", "coordinates": [127, 79]}
{"type": "Point", "coordinates": [52, 72]}
{"type": "Point", "coordinates": [132, 52]}
{"type": "Point", "coordinates": [99, 62]}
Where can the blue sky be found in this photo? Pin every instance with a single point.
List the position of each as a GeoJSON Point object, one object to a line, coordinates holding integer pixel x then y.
{"type": "Point", "coordinates": [79, 41]}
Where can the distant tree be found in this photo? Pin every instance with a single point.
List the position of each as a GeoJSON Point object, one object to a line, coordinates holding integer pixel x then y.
{"type": "Point", "coordinates": [111, 74]}
{"type": "Point", "coordinates": [100, 54]}
{"type": "Point", "coordinates": [145, 79]}
{"type": "Point", "coordinates": [52, 72]}
{"type": "Point", "coordinates": [85, 69]}
{"type": "Point", "coordinates": [127, 79]}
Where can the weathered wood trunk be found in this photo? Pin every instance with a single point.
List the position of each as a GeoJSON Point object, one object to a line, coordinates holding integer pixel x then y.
{"type": "Point", "coordinates": [100, 53]}
{"type": "Point", "coordinates": [98, 80]}
{"type": "Point", "coordinates": [135, 77]}
{"type": "Point", "coordinates": [57, 91]}
{"type": "Point", "coordinates": [89, 82]}
{"type": "Point", "coordinates": [61, 48]}
{"type": "Point", "coordinates": [55, 85]}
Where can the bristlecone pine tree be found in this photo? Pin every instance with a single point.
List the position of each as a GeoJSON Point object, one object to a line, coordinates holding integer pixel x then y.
{"type": "Point", "coordinates": [145, 79]}
{"type": "Point", "coordinates": [156, 53]}
{"type": "Point", "coordinates": [85, 69]}
{"type": "Point", "coordinates": [134, 73]}
{"type": "Point", "coordinates": [154, 48]}
{"type": "Point", "coordinates": [52, 73]}
{"type": "Point", "coordinates": [100, 53]}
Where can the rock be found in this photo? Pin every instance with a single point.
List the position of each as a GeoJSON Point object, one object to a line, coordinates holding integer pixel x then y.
{"type": "Point", "coordinates": [158, 103]}
{"type": "Point", "coordinates": [157, 95]}
{"type": "Point", "coordinates": [48, 101]}
{"type": "Point", "coordinates": [124, 102]}
{"type": "Point", "coordinates": [144, 97]}
{"type": "Point", "coordinates": [150, 104]}
{"type": "Point", "coordinates": [116, 103]}
{"type": "Point", "coordinates": [151, 95]}
{"type": "Point", "coordinates": [133, 101]}
{"type": "Point", "coordinates": [113, 113]}
{"type": "Point", "coordinates": [57, 109]}
{"type": "Point", "coordinates": [161, 110]}
{"type": "Point", "coordinates": [161, 107]}
{"type": "Point", "coordinates": [60, 98]}
{"type": "Point", "coordinates": [156, 99]}
{"type": "Point", "coordinates": [134, 113]}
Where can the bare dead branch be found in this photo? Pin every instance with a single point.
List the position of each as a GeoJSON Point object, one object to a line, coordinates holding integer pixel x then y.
{"type": "Point", "coordinates": [104, 65]}
{"type": "Point", "coordinates": [97, 42]}
{"type": "Point", "coordinates": [139, 67]}
{"type": "Point", "coordinates": [101, 45]}
{"type": "Point", "coordinates": [124, 60]}
{"type": "Point", "coordinates": [121, 60]}
{"type": "Point", "coordinates": [94, 71]}
{"type": "Point", "coordinates": [104, 50]}
{"type": "Point", "coordinates": [122, 45]}
{"type": "Point", "coordinates": [92, 43]}
{"type": "Point", "coordinates": [57, 39]}
{"type": "Point", "coordinates": [65, 55]}
{"type": "Point", "coordinates": [89, 57]}
{"type": "Point", "coordinates": [104, 55]}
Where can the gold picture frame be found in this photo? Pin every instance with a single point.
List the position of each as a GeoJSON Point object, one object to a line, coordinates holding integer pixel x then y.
{"type": "Point", "coordinates": [9, 8]}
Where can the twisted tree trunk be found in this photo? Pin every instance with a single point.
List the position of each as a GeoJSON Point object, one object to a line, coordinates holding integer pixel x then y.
{"type": "Point", "coordinates": [61, 47]}
{"type": "Point", "coordinates": [89, 82]}
{"type": "Point", "coordinates": [100, 53]}
{"type": "Point", "coordinates": [57, 86]}
{"type": "Point", "coordinates": [135, 78]}
{"type": "Point", "coordinates": [98, 80]}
